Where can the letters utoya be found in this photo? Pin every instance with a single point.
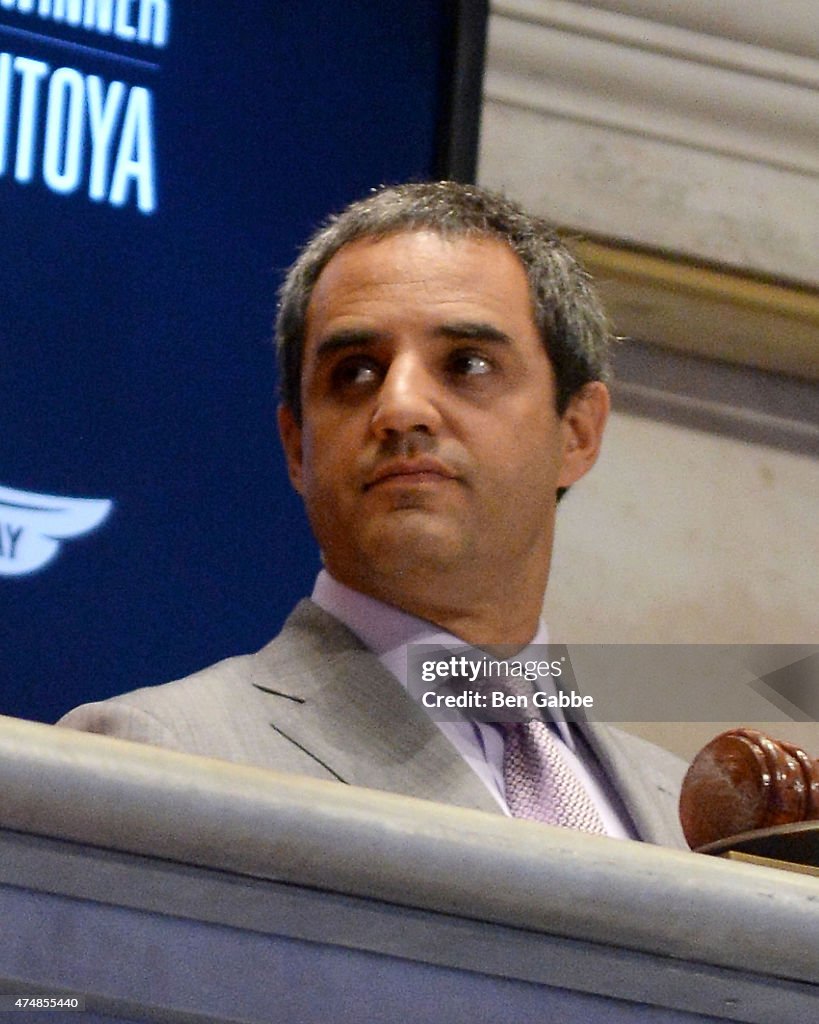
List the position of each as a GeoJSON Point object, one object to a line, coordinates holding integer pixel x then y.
{"type": "Point", "coordinates": [74, 131]}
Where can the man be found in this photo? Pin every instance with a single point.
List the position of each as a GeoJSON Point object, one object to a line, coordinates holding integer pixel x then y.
{"type": "Point", "coordinates": [442, 362]}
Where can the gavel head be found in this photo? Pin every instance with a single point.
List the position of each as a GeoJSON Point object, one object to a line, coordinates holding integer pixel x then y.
{"type": "Point", "coordinates": [742, 781]}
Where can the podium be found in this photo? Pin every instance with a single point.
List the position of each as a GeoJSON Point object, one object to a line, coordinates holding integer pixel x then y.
{"type": "Point", "coordinates": [155, 886]}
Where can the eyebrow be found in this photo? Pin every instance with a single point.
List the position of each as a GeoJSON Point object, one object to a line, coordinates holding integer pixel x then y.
{"type": "Point", "coordinates": [455, 330]}
{"type": "Point", "coordinates": [473, 330]}
{"type": "Point", "coordinates": [353, 337]}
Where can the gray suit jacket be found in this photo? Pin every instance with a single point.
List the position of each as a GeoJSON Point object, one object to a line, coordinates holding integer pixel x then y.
{"type": "Point", "coordinates": [316, 702]}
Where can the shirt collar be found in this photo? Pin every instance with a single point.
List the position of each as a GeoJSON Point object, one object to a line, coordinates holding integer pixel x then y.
{"type": "Point", "coordinates": [385, 629]}
{"type": "Point", "coordinates": [381, 627]}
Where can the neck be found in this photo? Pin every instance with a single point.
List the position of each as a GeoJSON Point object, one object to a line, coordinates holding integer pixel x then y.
{"type": "Point", "coordinates": [507, 620]}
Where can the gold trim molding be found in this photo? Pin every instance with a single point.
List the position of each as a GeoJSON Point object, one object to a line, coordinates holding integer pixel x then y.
{"type": "Point", "coordinates": [707, 312]}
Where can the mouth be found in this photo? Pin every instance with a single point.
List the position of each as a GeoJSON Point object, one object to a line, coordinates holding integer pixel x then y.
{"type": "Point", "coordinates": [415, 471]}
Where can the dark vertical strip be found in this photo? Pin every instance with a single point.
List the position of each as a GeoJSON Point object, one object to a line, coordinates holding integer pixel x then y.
{"type": "Point", "coordinates": [461, 92]}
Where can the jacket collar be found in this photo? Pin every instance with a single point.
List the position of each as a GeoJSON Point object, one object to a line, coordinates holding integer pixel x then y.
{"type": "Point", "coordinates": [331, 697]}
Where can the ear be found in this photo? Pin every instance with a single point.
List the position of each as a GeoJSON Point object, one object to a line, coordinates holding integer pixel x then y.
{"type": "Point", "coordinates": [290, 434]}
{"type": "Point", "coordinates": [582, 425]}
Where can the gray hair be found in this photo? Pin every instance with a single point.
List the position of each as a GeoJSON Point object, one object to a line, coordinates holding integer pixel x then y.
{"type": "Point", "coordinates": [566, 309]}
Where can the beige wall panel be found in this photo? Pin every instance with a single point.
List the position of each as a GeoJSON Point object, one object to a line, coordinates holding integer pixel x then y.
{"type": "Point", "coordinates": [678, 536]}
{"type": "Point", "coordinates": [673, 197]}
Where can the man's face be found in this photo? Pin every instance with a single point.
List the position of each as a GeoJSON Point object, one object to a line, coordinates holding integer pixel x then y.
{"type": "Point", "coordinates": [430, 450]}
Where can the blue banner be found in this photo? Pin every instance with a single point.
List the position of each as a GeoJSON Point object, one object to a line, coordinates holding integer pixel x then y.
{"type": "Point", "coordinates": [160, 162]}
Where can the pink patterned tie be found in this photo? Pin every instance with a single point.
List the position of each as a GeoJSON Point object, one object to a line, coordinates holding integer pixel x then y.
{"type": "Point", "coordinates": [540, 784]}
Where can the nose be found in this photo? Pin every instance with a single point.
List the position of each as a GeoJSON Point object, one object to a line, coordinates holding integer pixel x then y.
{"type": "Point", "coordinates": [406, 400]}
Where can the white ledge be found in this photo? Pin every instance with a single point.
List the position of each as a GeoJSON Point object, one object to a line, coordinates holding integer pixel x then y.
{"type": "Point", "coordinates": [762, 53]}
{"type": "Point", "coordinates": [655, 80]}
{"type": "Point", "coordinates": [110, 794]}
{"type": "Point", "coordinates": [791, 27]}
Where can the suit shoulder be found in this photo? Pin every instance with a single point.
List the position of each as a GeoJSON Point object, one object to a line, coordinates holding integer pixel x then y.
{"type": "Point", "coordinates": [224, 710]}
{"type": "Point", "coordinates": [165, 715]}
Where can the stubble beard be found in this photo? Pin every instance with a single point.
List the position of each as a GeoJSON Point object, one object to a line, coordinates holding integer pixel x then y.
{"type": "Point", "coordinates": [407, 559]}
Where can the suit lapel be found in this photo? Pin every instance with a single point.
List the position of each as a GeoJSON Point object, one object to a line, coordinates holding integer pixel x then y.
{"type": "Point", "coordinates": [331, 697]}
{"type": "Point", "coordinates": [649, 796]}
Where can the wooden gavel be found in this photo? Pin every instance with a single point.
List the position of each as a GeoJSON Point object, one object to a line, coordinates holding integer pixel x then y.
{"type": "Point", "coordinates": [743, 780]}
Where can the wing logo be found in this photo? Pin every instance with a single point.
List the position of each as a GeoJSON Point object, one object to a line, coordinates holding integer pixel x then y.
{"type": "Point", "coordinates": [34, 526]}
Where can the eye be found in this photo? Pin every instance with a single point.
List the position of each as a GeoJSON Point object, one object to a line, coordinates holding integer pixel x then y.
{"type": "Point", "coordinates": [355, 372]}
{"type": "Point", "coordinates": [468, 363]}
